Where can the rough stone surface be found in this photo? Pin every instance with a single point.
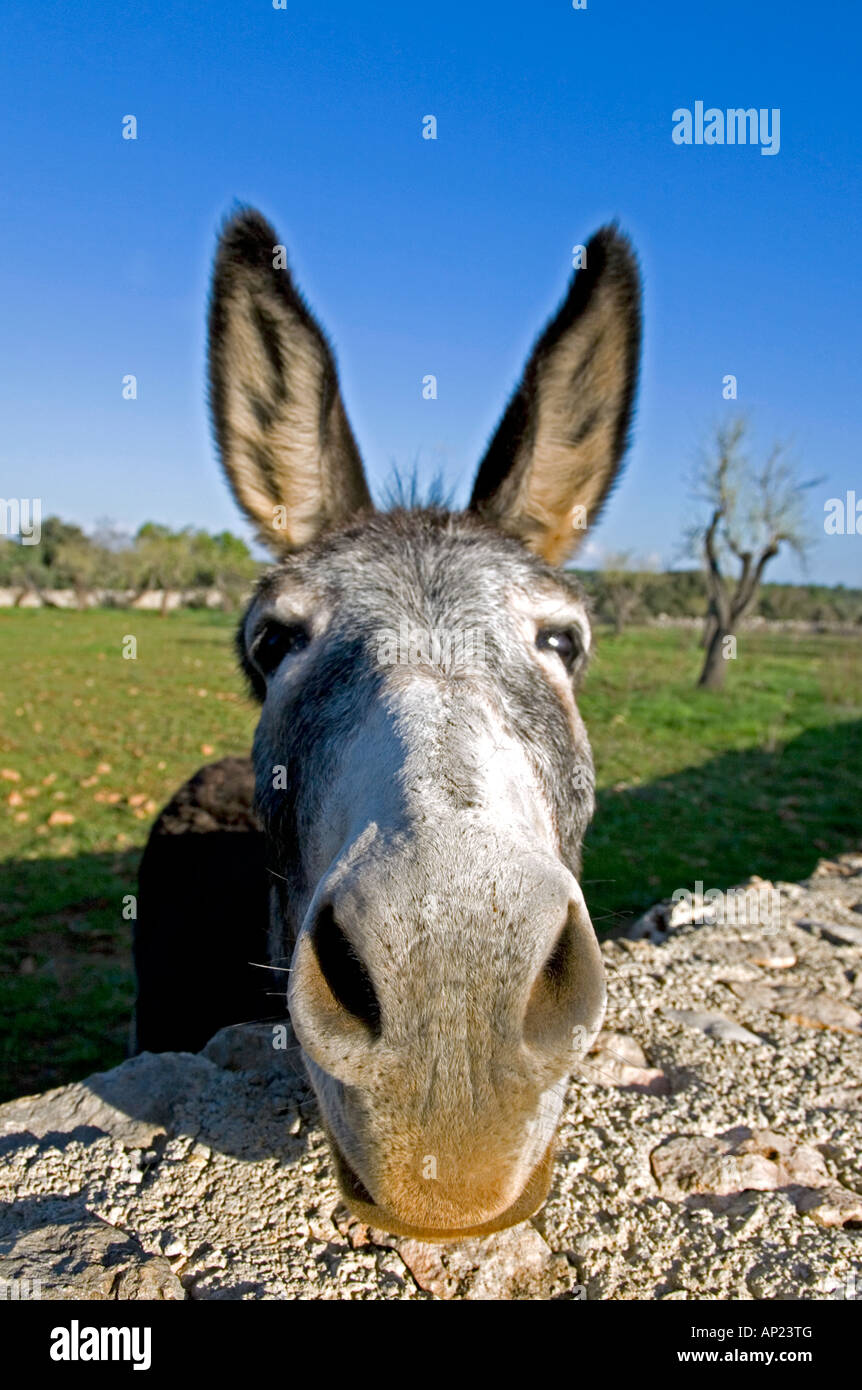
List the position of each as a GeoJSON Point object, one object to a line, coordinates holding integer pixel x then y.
{"type": "Point", "coordinates": [69, 1253]}
{"type": "Point", "coordinates": [714, 1025]}
{"type": "Point", "coordinates": [711, 1147]}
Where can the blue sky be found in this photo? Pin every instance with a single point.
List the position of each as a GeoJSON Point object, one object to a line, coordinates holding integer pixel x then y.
{"type": "Point", "coordinates": [440, 257]}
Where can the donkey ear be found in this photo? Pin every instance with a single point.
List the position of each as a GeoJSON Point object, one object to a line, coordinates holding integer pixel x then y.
{"type": "Point", "coordinates": [560, 443]}
{"type": "Point", "coordinates": [279, 421]}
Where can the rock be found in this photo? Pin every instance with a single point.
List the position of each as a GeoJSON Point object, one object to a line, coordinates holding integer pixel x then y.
{"type": "Point", "coordinates": [840, 1097]}
{"type": "Point", "coordinates": [513, 1264]}
{"type": "Point", "coordinates": [761, 1160]}
{"type": "Point", "coordinates": [738, 972]}
{"type": "Point", "coordinates": [666, 917]}
{"type": "Point", "coordinates": [820, 1010]}
{"type": "Point", "coordinates": [773, 954]}
{"type": "Point", "coordinates": [253, 1047]}
{"type": "Point", "coordinates": [755, 903]}
{"type": "Point", "coordinates": [714, 1026]}
{"type": "Point", "coordinates": [626, 1050]}
{"type": "Point", "coordinates": [617, 1060]}
{"type": "Point", "coordinates": [85, 1258]}
{"type": "Point", "coordinates": [756, 995]}
{"type": "Point", "coordinates": [832, 1206]}
{"type": "Point", "coordinates": [790, 892]}
{"type": "Point", "coordinates": [845, 865]}
{"type": "Point", "coordinates": [841, 933]}
{"type": "Point", "coordinates": [696, 1164]}
{"type": "Point", "coordinates": [132, 1104]}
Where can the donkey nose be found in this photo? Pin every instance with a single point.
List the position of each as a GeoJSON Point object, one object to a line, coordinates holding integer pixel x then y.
{"type": "Point", "coordinates": [338, 1019]}
{"type": "Point", "coordinates": [332, 999]}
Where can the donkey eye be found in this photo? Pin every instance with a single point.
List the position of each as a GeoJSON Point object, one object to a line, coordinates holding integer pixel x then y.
{"type": "Point", "coordinates": [565, 643]}
{"type": "Point", "coordinates": [276, 641]}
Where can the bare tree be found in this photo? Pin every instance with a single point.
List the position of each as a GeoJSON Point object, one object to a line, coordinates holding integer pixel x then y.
{"type": "Point", "coordinates": [751, 513]}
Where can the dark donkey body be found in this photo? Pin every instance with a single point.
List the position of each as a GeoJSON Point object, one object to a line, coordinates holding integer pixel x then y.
{"type": "Point", "coordinates": [408, 834]}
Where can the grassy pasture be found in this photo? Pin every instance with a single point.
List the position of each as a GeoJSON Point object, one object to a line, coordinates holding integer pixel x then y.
{"type": "Point", "coordinates": [763, 777]}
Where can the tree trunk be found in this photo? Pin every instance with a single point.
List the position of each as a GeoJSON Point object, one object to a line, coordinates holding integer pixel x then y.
{"type": "Point", "coordinates": [710, 623]}
{"type": "Point", "coordinates": [712, 675]}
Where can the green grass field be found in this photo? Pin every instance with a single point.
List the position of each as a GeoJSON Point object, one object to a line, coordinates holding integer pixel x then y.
{"type": "Point", "coordinates": [762, 778]}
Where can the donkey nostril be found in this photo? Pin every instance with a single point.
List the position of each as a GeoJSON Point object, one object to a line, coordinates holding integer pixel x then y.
{"type": "Point", "coordinates": [563, 994]}
{"type": "Point", "coordinates": [557, 969]}
{"type": "Point", "coordinates": [344, 971]}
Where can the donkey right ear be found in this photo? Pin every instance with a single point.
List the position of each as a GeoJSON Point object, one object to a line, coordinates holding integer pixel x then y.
{"type": "Point", "coordinates": [282, 432]}
{"type": "Point", "coordinates": [559, 446]}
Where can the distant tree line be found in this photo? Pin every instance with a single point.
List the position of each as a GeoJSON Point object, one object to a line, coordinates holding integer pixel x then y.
{"type": "Point", "coordinates": [192, 562]}
{"type": "Point", "coordinates": [125, 567]}
{"type": "Point", "coordinates": [622, 597]}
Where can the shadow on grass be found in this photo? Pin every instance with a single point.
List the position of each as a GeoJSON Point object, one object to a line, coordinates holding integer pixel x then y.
{"type": "Point", "coordinates": [66, 984]}
{"type": "Point", "coordinates": [772, 813]}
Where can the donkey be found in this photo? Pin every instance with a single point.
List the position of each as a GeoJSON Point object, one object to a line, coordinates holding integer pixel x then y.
{"type": "Point", "coordinates": [415, 822]}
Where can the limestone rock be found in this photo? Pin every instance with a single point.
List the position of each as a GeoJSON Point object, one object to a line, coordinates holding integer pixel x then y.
{"type": "Point", "coordinates": [773, 954]}
{"type": "Point", "coordinates": [513, 1264]}
{"type": "Point", "coordinates": [714, 1026]}
{"type": "Point", "coordinates": [811, 1010]}
{"type": "Point", "coordinates": [759, 1160]}
{"type": "Point", "coordinates": [84, 1257]}
{"type": "Point", "coordinates": [618, 1060]}
{"type": "Point", "coordinates": [841, 933]}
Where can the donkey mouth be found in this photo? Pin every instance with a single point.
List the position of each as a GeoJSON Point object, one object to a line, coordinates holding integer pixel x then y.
{"type": "Point", "coordinates": [363, 1205]}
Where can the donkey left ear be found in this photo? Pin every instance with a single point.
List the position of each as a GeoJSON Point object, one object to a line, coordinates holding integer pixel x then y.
{"type": "Point", "coordinates": [285, 441]}
{"type": "Point", "coordinates": [560, 443]}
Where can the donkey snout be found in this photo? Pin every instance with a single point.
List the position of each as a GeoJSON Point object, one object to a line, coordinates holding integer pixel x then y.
{"type": "Point", "coordinates": [442, 1098]}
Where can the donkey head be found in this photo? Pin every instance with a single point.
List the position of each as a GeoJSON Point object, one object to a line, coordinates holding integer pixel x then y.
{"type": "Point", "coordinates": [422, 772]}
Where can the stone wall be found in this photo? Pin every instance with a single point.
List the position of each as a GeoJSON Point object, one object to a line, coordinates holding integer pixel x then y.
{"type": "Point", "coordinates": [711, 1147]}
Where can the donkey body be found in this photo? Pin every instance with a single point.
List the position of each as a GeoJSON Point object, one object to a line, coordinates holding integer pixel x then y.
{"type": "Point", "coordinates": [417, 818]}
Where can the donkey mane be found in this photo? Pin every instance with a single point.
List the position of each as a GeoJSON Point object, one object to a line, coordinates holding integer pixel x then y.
{"type": "Point", "coordinates": [405, 491]}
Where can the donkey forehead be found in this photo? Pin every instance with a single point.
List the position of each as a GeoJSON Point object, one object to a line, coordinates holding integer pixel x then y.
{"type": "Point", "coordinates": [434, 570]}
